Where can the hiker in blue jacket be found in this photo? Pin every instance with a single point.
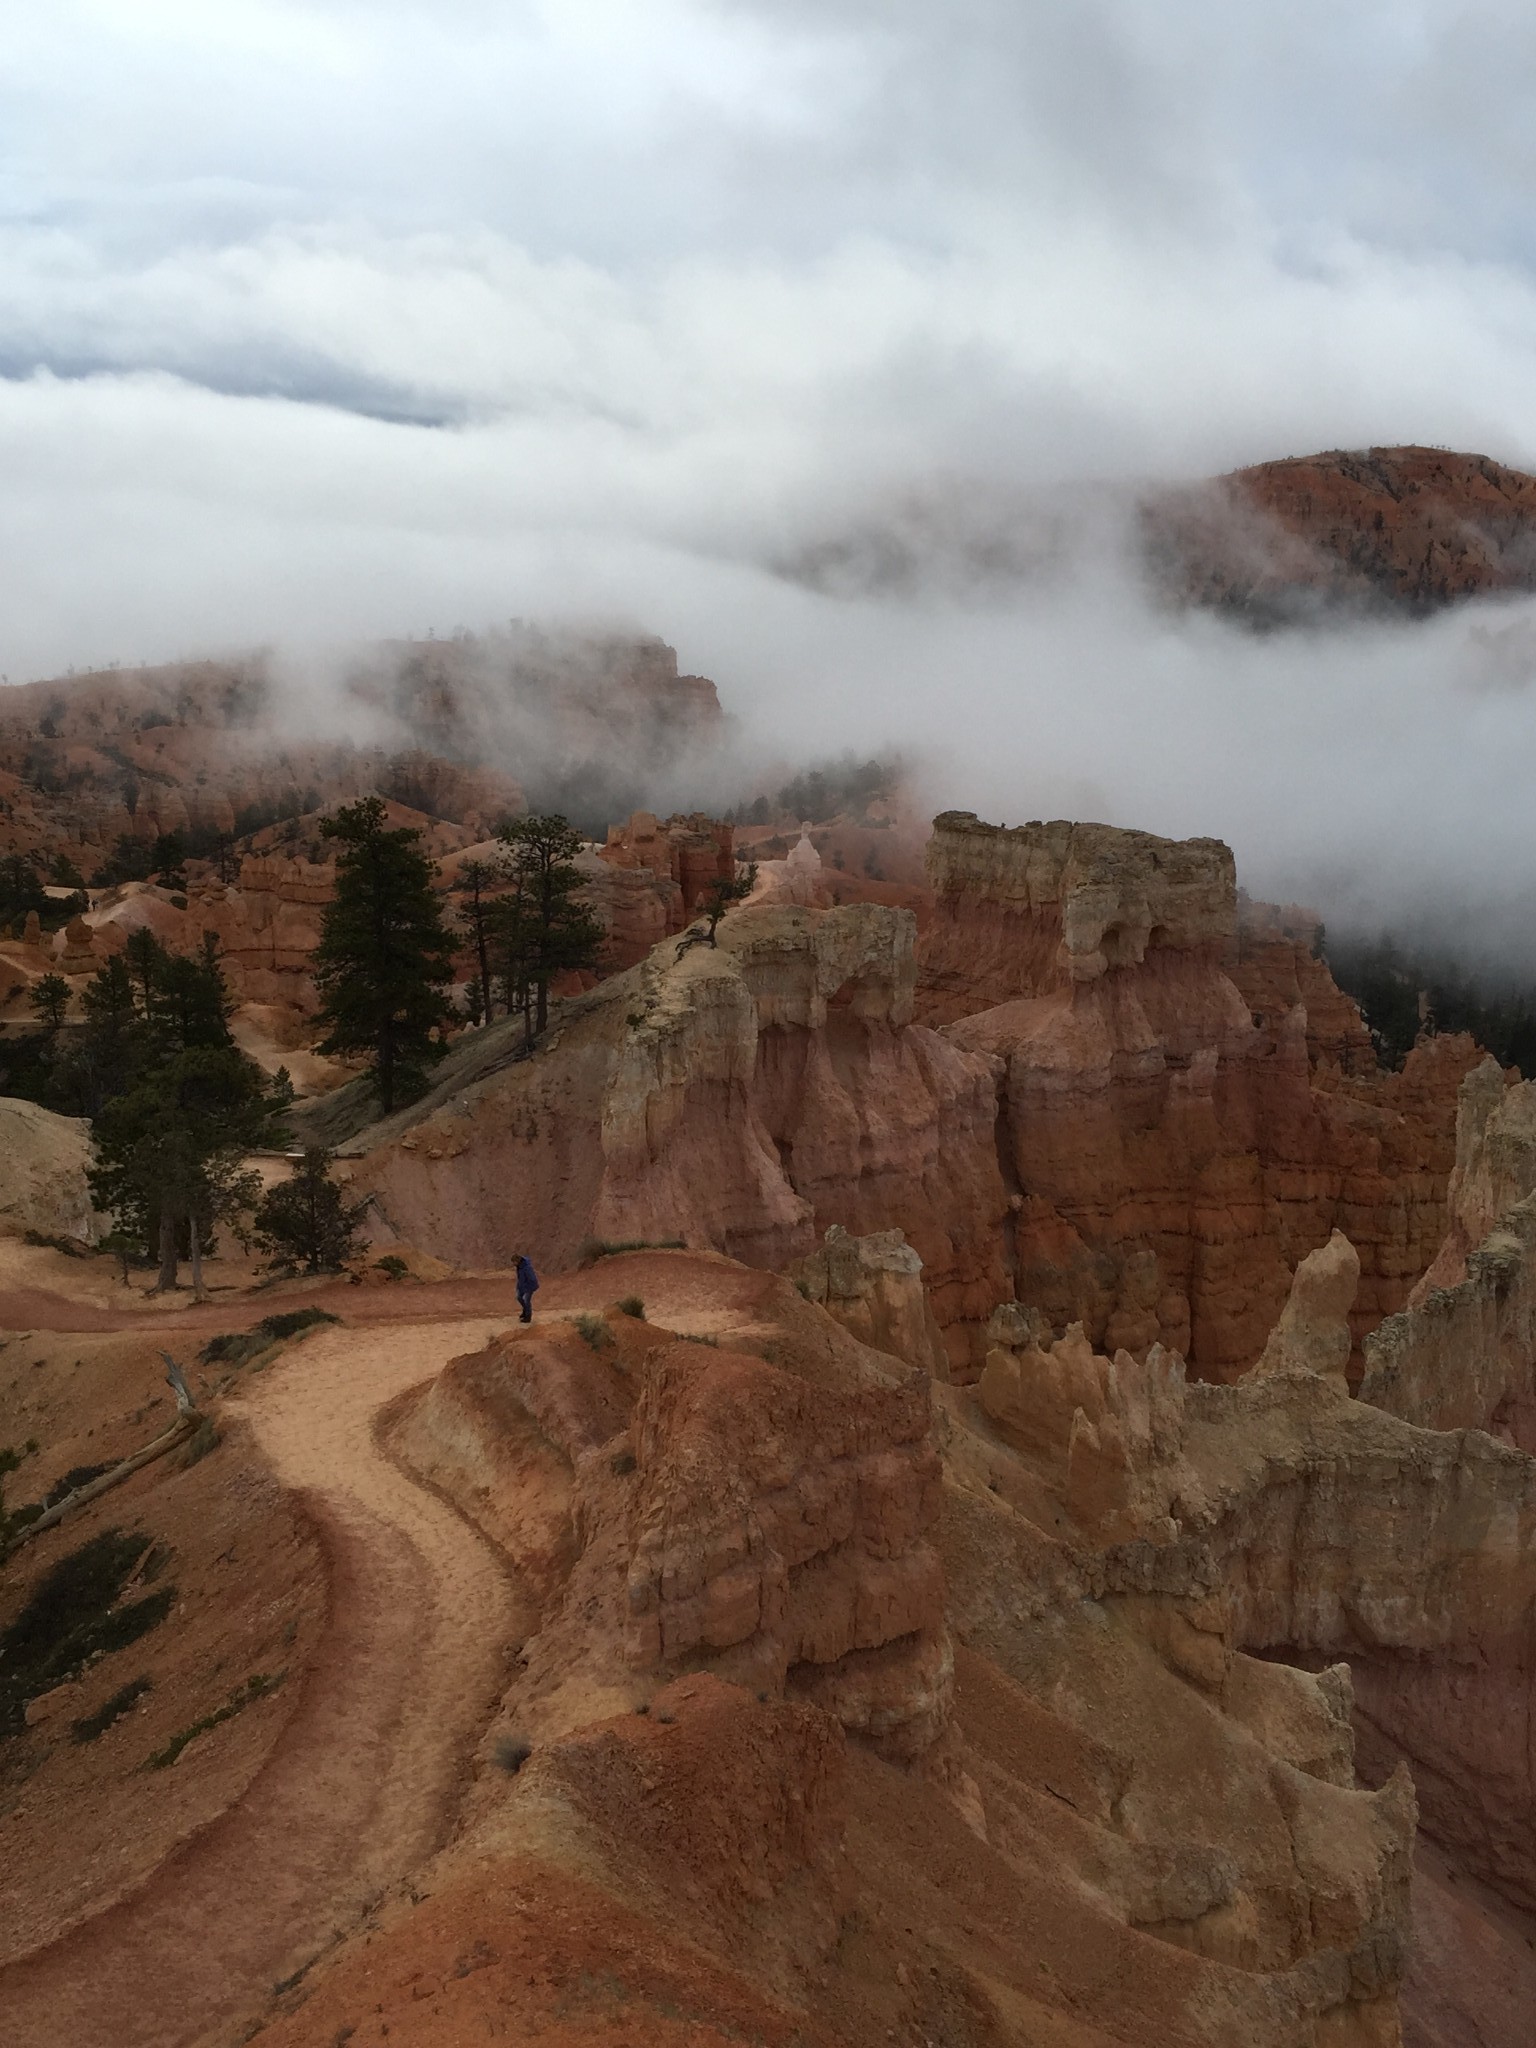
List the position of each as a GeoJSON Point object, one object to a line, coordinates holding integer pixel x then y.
{"type": "Point", "coordinates": [527, 1286]}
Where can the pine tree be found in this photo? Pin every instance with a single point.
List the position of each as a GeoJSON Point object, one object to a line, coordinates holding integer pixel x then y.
{"type": "Point", "coordinates": [305, 1221]}
{"type": "Point", "coordinates": [385, 957]}
{"type": "Point", "coordinates": [475, 881]}
{"type": "Point", "coordinates": [49, 997]}
{"type": "Point", "coordinates": [556, 931]}
{"type": "Point", "coordinates": [182, 1104]}
{"type": "Point", "coordinates": [722, 893]}
{"type": "Point", "coordinates": [509, 935]}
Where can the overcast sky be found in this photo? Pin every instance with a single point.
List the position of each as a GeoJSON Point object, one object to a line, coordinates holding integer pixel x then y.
{"type": "Point", "coordinates": [360, 317]}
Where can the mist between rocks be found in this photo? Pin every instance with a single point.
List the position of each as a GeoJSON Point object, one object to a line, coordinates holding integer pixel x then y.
{"type": "Point", "coordinates": [1379, 771]}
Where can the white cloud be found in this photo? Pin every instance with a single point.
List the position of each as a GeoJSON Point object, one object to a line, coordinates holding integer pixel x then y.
{"type": "Point", "coordinates": [326, 320]}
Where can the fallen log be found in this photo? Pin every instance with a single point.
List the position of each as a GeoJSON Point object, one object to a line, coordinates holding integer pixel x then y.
{"type": "Point", "coordinates": [188, 1421]}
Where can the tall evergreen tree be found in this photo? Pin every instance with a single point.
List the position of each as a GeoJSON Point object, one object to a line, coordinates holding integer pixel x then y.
{"type": "Point", "coordinates": [385, 958]}
{"type": "Point", "coordinates": [509, 950]}
{"type": "Point", "coordinates": [557, 931]}
{"type": "Point", "coordinates": [49, 997]}
{"type": "Point", "coordinates": [476, 879]}
{"type": "Point", "coordinates": [181, 1104]}
{"type": "Point", "coordinates": [111, 1045]}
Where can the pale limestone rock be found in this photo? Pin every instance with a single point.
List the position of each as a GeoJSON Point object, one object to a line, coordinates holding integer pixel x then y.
{"type": "Point", "coordinates": [43, 1186]}
{"type": "Point", "coordinates": [1313, 1334]}
{"type": "Point", "coordinates": [873, 1285]}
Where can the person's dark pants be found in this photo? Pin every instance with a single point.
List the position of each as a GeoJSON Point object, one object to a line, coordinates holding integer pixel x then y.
{"type": "Point", "coordinates": [525, 1302]}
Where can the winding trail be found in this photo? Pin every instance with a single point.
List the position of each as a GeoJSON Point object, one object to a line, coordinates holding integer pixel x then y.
{"type": "Point", "coordinates": [362, 1786]}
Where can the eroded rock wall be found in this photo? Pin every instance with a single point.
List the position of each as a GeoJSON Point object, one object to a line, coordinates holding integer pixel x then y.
{"type": "Point", "coordinates": [1172, 1152]}
{"type": "Point", "coordinates": [744, 1097]}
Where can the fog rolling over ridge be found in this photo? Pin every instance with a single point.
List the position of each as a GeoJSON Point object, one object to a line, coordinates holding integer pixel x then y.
{"type": "Point", "coordinates": [346, 323]}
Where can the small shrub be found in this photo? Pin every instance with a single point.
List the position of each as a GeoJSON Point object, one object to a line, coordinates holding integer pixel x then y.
{"type": "Point", "coordinates": [665, 1718]}
{"type": "Point", "coordinates": [123, 1701]}
{"type": "Point", "coordinates": [393, 1265]}
{"type": "Point", "coordinates": [239, 1347]}
{"type": "Point", "coordinates": [642, 1706]}
{"type": "Point", "coordinates": [631, 1305]}
{"type": "Point", "coordinates": [593, 1331]}
{"type": "Point", "coordinates": [511, 1752]}
{"type": "Point", "coordinates": [291, 1321]}
{"type": "Point", "coordinates": [622, 1464]}
{"type": "Point", "coordinates": [688, 1337]}
{"type": "Point", "coordinates": [73, 1617]}
{"type": "Point", "coordinates": [69, 1246]}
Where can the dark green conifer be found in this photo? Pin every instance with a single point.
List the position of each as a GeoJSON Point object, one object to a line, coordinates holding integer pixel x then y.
{"type": "Point", "coordinates": [552, 930]}
{"type": "Point", "coordinates": [385, 958]}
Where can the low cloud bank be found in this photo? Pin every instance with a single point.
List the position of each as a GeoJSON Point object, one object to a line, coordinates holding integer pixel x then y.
{"type": "Point", "coordinates": [351, 322]}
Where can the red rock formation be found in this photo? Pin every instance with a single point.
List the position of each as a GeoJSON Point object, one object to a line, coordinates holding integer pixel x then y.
{"type": "Point", "coordinates": [1410, 528]}
{"type": "Point", "coordinates": [771, 1528]}
{"type": "Point", "coordinates": [1462, 1355]}
{"type": "Point", "coordinates": [198, 746]}
{"type": "Point", "coordinates": [695, 852]}
{"type": "Point", "coordinates": [1172, 1158]}
{"type": "Point", "coordinates": [743, 1096]}
{"type": "Point", "coordinates": [782, 1531]}
{"type": "Point", "coordinates": [650, 877]}
{"type": "Point", "coordinates": [1107, 1765]}
{"type": "Point", "coordinates": [874, 1287]}
{"type": "Point", "coordinates": [1277, 964]}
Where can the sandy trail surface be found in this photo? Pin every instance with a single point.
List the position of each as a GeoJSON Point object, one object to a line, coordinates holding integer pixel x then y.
{"type": "Point", "coordinates": [363, 1786]}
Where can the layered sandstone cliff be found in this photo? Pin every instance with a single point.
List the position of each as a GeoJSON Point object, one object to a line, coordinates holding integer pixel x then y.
{"type": "Point", "coordinates": [1172, 1148]}
{"type": "Point", "coordinates": [649, 877]}
{"type": "Point", "coordinates": [1462, 1354]}
{"type": "Point", "coordinates": [743, 1096]}
{"type": "Point", "coordinates": [749, 1548]}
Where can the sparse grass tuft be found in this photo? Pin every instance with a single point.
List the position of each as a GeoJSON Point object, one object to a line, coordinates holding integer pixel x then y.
{"type": "Point", "coordinates": [511, 1752]}
{"type": "Point", "coordinates": [593, 1331]}
{"type": "Point", "coordinates": [254, 1688]}
{"type": "Point", "coordinates": [689, 1337]}
{"type": "Point", "coordinates": [622, 1464]}
{"type": "Point", "coordinates": [631, 1305]}
{"type": "Point", "coordinates": [591, 1249]}
{"type": "Point", "coordinates": [665, 1718]}
{"type": "Point", "coordinates": [204, 1438]}
{"type": "Point", "coordinates": [123, 1701]}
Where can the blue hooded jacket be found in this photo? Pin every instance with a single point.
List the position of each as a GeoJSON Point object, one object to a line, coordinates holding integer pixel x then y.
{"type": "Point", "coordinates": [527, 1279]}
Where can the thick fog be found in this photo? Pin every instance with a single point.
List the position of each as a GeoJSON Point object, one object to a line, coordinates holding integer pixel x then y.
{"type": "Point", "coordinates": [335, 321]}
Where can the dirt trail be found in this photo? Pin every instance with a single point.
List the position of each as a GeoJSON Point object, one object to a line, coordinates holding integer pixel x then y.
{"type": "Point", "coordinates": [362, 1787]}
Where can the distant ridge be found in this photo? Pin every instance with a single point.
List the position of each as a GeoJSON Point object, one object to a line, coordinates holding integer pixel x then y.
{"type": "Point", "coordinates": [1407, 530]}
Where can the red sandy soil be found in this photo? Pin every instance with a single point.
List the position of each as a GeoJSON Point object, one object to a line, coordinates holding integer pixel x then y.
{"type": "Point", "coordinates": [308, 1850]}
{"type": "Point", "coordinates": [421, 1621]}
{"type": "Point", "coordinates": [185, 1896]}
